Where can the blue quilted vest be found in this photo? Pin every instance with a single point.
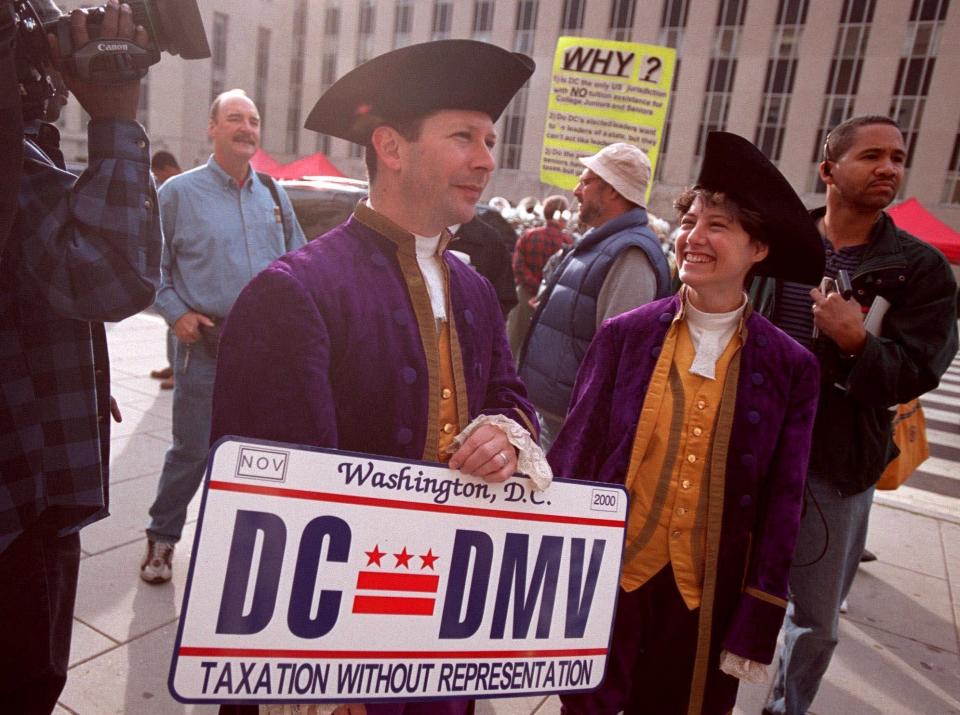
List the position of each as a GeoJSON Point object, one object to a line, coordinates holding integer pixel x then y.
{"type": "Point", "coordinates": [565, 321]}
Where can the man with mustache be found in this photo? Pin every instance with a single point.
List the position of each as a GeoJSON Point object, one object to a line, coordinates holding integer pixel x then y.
{"type": "Point", "coordinates": [617, 266]}
{"type": "Point", "coordinates": [222, 225]}
{"type": "Point", "coordinates": [862, 376]}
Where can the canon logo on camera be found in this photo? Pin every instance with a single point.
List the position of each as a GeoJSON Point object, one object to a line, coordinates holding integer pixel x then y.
{"type": "Point", "coordinates": [112, 46]}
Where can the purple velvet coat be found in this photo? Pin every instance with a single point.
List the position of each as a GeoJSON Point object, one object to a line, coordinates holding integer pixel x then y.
{"type": "Point", "coordinates": [759, 475]}
{"type": "Point", "coordinates": [334, 345]}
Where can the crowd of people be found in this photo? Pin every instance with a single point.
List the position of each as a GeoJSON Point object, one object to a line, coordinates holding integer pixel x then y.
{"type": "Point", "coordinates": [719, 381]}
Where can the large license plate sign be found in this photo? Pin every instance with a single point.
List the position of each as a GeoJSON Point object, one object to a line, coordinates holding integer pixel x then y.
{"type": "Point", "coordinates": [329, 576]}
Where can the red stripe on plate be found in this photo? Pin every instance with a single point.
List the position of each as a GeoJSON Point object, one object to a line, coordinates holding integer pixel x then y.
{"type": "Point", "coordinates": [210, 652]}
{"type": "Point", "coordinates": [393, 605]}
{"type": "Point", "coordinates": [412, 506]}
{"type": "Point", "coordinates": [375, 580]}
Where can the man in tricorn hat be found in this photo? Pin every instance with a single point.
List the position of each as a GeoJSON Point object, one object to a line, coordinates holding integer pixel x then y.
{"type": "Point", "coordinates": [704, 411]}
{"type": "Point", "coordinates": [372, 338]}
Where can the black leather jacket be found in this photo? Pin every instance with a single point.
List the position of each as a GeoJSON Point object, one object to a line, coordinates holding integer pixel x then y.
{"type": "Point", "coordinates": [852, 437]}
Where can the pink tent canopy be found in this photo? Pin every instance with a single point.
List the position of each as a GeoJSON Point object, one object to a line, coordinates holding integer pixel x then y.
{"type": "Point", "coordinates": [313, 165]}
{"type": "Point", "coordinates": [262, 161]}
{"type": "Point", "coordinates": [913, 217]}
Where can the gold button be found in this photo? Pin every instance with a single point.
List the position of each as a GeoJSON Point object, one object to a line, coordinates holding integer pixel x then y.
{"type": "Point", "coordinates": [448, 428]}
{"type": "Point", "coordinates": [701, 404]}
{"type": "Point", "coordinates": [141, 144]}
{"type": "Point", "coordinates": [686, 484]}
{"type": "Point", "coordinates": [681, 511]}
{"type": "Point", "coordinates": [691, 458]}
{"type": "Point", "coordinates": [675, 534]}
{"type": "Point", "coordinates": [445, 393]}
{"type": "Point", "coordinates": [697, 431]}
{"type": "Point", "coordinates": [148, 204]}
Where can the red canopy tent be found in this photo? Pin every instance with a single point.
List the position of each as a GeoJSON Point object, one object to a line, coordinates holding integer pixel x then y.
{"type": "Point", "coordinates": [262, 161]}
{"type": "Point", "coordinates": [913, 217]}
{"type": "Point", "coordinates": [313, 165]}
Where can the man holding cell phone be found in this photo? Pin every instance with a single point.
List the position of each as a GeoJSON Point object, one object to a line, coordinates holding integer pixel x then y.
{"type": "Point", "coordinates": [864, 373]}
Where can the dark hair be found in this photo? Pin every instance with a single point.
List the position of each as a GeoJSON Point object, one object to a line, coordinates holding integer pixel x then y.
{"type": "Point", "coordinates": [163, 160]}
{"type": "Point", "coordinates": [409, 129]}
{"type": "Point", "coordinates": [553, 206]}
{"type": "Point", "coordinates": [751, 221]}
{"type": "Point", "coordinates": [842, 136]}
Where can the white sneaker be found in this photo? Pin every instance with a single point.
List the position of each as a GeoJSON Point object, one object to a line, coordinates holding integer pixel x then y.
{"type": "Point", "coordinates": [157, 566]}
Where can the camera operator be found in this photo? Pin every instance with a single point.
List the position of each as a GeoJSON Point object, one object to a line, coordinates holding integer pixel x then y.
{"type": "Point", "coordinates": [81, 251]}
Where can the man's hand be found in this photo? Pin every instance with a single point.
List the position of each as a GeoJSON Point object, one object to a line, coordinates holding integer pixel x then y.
{"type": "Point", "coordinates": [487, 453]}
{"type": "Point", "coordinates": [187, 327]}
{"type": "Point", "coordinates": [840, 320]}
{"type": "Point", "coordinates": [104, 101]}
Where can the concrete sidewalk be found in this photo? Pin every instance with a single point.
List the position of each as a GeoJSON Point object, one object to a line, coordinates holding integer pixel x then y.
{"type": "Point", "coordinates": [899, 650]}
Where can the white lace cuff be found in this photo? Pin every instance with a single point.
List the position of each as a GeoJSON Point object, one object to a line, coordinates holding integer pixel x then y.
{"type": "Point", "coordinates": [530, 458]}
{"type": "Point", "coordinates": [749, 671]}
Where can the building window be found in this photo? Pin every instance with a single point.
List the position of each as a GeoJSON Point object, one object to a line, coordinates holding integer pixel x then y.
{"type": "Point", "coordinates": [511, 147]}
{"type": "Point", "coordinates": [915, 69]}
{"type": "Point", "coordinates": [720, 74]}
{"type": "Point", "coordinates": [951, 188]}
{"type": "Point", "coordinates": [843, 80]}
{"type": "Point", "coordinates": [525, 26]}
{"type": "Point", "coordinates": [442, 19]}
{"type": "Point", "coordinates": [673, 22]}
{"type": "Point", "coordinates": [365, 28]}
{"type": "Point", "coordinates": [328, 61]}
{"type": "Point", "coordinates": [292, 143]}
{"type": "Point", "coordinates": [218, 54]}
{"type": "Point", "coordinates": [402, 23]}
{"type": "Point", "coordinates": [621, 19]}
{"type": "Point", "coordinates": [781, 73]}
{"type": "Point", "coordinates": [483, 20]}
{"type": "Point", "coordinates": [331, 21]}
{"type": "Point", "coordinates": [262, 76]}
{"type": "Point", "coordinates": [571, 16]}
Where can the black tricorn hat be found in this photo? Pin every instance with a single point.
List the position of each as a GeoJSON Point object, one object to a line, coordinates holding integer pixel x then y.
{"type": "Point", "coordinates": [417, 80]}
{"type": "Point", "coordinates": [734, 166]}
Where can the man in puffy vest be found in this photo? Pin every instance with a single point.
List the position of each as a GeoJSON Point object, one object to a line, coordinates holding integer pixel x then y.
{"type": "Point", "coordinates": [617, 266]}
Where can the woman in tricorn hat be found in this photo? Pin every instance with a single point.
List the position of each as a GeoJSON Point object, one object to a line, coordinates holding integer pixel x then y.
{"type": "Point", "coordinates": [704, 411]}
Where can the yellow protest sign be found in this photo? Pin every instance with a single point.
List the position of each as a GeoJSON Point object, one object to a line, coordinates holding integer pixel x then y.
{"type": "Point", "coordinates": [601, 92]}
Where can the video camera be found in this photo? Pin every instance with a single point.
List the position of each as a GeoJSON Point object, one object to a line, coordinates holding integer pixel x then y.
{"type": "Point", "coordinates": [173, 26]}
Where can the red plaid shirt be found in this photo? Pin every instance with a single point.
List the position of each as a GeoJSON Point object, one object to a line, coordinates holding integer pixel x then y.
{"type": "Point", "coordinates": [533, 249]}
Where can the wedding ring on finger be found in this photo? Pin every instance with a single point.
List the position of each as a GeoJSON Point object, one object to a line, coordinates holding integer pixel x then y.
{"type": "Point", "coordinates": [503, 459]}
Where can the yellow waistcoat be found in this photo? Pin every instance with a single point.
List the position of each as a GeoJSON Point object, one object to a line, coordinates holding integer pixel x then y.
{"type": "Point", "coordinates": [667, 482]}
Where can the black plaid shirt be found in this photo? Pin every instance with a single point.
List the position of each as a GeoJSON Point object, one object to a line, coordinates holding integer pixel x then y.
{"type": "Point", "coordinates": [82, 251]}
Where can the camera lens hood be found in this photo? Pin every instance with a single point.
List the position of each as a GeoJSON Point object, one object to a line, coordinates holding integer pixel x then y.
{"type": "Point", "coordinates": [180, 28]}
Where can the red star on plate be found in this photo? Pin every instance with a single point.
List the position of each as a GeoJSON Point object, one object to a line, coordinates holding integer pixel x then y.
{"type": "Point", "coordinates": [428, 559]}
{"type": "Point", "coordinates": [375, 555]}
{"type": "Point", "coordinates": [403, 558]}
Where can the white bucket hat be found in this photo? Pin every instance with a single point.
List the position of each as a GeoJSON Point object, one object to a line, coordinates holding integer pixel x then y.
{"type": "Point", "coordinates": [625, 167]}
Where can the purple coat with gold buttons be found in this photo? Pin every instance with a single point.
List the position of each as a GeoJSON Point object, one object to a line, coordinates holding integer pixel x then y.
{"type": "Point", "coordinates": [335, 345]}
{"type": "Point", "coordinates": [760, 453]}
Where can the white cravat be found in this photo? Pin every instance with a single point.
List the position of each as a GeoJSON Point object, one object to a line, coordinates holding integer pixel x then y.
{"type": "Point", "coordinates": [710, 333]}
{"type": "Point", "coordinates": [432, 269]}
